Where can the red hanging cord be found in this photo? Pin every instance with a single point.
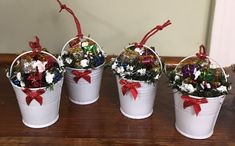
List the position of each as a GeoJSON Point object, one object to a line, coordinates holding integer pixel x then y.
{"type": "Point", "coordinates": [152, 32]}
{"type": "Point", "coordinates": [63, 6]}
{"type": "Point", "coordinates": [36, 47]}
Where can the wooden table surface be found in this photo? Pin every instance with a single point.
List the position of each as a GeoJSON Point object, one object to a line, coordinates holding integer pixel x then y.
{"type": "Point", "coordinates": [102, 123]}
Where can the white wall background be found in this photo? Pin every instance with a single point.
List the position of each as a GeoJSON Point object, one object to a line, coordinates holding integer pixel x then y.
{"type": "Point", "coordinates": [112, 23]}
{"type": "Point", "coordinates": [222, 45]}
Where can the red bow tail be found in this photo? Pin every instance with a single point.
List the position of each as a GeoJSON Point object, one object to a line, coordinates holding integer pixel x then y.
{"type": "Point", "coordinates": [35, 46]}
{"type": "Point", "coordinates": [34, 95]}
{"type": "Point", "coordinates": [189, 101]}
{"type": "Point", "coordinates": [78, 75]}
{"type": "Point", "coordinates": [130, 86]}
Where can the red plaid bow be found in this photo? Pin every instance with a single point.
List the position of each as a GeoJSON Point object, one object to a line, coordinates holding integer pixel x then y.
{"type": "Point", "coordinates": [33, 95]}
{"type": "Point", "coordinates": [126, 86]}
{"type": "Point", "coordinates": [189, 101]}
{"type": "Point", "coordinates": [85, 75]}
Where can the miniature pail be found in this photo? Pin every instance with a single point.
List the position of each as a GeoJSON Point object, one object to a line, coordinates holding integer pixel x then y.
{"type": "Point", "coordinates": [142, 106]}
{"type": "Point", "coordinates": [199, 126]}
{"type": "Point", "coordinates": [82, 91]}
{"type": "Point", "coordinates": [34, 114]}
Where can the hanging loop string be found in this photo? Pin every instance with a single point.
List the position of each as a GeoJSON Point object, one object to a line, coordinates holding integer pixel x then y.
{"type": "Point", "coordinates": [35, 46]}
{"type": "Point", "coordinates": [202, 53]}
{"type": "Point", "coordinates": [152, 32]}
{"type": "Point", "coordinates": [79, 31]}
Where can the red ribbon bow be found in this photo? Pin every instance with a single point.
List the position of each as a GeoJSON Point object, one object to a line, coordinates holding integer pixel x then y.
{"type": "Point", "coordinates": [33, 95]}
{"type": "Point", "coordinates": [85, 75]}
{"type": "Point", "coordinates": [151, 33]}
{"type": "Point", "coordinates": [126, 86]}
{"type": "Point", "coordinates": [35, 46]}
{"type": "Point", "coordinates": [63, 6]}
{"type": "Point", "coordinates": [189, 101]}
{"type": "Point", "coordinates": [202, 53]}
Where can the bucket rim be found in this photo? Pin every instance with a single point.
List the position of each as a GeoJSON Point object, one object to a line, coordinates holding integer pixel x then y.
{"type": "Point", "coordinates": [95, 68]}
{"type": "Point", "coordinates": [198, 97]}
{"type": "Point", "coordinates": [61, 80]}
{"type": "Point", "coordinates": [144, 82]}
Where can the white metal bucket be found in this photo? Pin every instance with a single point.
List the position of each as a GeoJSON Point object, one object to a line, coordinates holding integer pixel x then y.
{"type": "Point", "coordinates": [36, 115]}
{"type": "Point", "coordinates": [201, 126]}
{"type": "Point", "coordinates": [84, 92]}
{"type": "Point", "coordinates": [140, 108]}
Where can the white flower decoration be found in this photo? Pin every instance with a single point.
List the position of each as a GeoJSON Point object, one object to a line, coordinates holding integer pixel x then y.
{"type": "Point", "coordinates": [177, 77]}
{"type": "Point", "coordinates": [156, 77]}
{"type": "Point", "coordinates": [139, 51]}
{"type": "Point", "coordinates": [208, 85]}
{"type": "Point", "coordinates": [84, 63]}
{"type": "Point", "coordinates": [120, 69]}
{"type": "Point", "coordinates": [114, 65]}
{"type": "Point", "coordinates": [68, 60]}
{"type": "Point", "coordinates": [222, 89]}
{"type": "Point", "coordinates": [187, 88]}
{"type": "Point", "coordinates": [60, 61]}
{"type": "Point", "coordinates": [18, 76]}
{"type": "Point", "coordinates": [197, 74]}
{"type": "Point", "coordinates": [49, 77]}
{"type": "Point", "coordinates": [141, 71]}
{"type": "Point", "coordinates": [128, 73]}
{"type": "Point", "coordinates": [129, 67]}
{"type": "Point", "coordinates": [40, 65]}
{"type": "Point", "coordinates": [84, 44]}
{"type": "Point", "coordinates": [22, 84]}
{"type": "Point", "coordinates": [27, 64]}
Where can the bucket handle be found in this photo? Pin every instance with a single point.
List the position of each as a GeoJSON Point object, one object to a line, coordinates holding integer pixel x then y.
{"type": "Point", "coordinates": [27, 52]}
{"type": "Point", "coordinates": [64, 47]}
{"type": "Point", "coordinates": [226, 76]}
